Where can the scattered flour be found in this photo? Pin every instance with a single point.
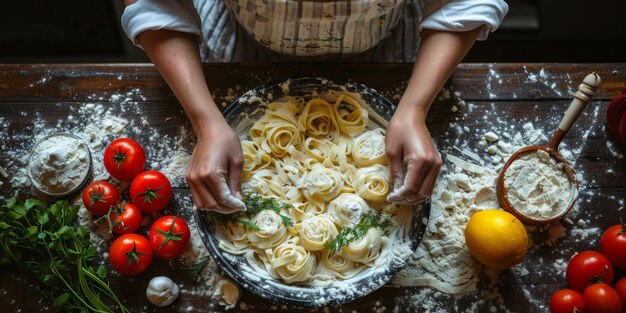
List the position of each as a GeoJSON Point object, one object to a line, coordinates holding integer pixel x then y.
{"type": "Point", "coordinates": [441, 260]}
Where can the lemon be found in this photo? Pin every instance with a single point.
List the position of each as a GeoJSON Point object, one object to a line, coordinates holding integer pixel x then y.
{"type": "Point", "coordinates": [496, 238]}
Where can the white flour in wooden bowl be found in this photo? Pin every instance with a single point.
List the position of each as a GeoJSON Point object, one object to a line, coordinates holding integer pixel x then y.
{"type": "Point", "coordinates": [59, 164]}
{"type": "Point", "coordinates": [537, 185]}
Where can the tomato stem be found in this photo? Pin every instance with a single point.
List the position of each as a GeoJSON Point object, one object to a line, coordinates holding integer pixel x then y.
{"type": "Point", "coordinates": [150, 194]}
{"type": "Point", "coordinates": [115, 209]}
{"type": "Point", "coordinates": [170, 235]}
{"type": "Point", "coordinates": [97, 195]}
{"type": "Point", "coordinates": [119, 157]}
{"type": "Point", "coordinates": [599, 278]}
{"type": "Point", "coordinates": [133, 255]}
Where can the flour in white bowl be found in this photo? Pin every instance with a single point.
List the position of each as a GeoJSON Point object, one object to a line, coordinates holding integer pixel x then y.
{"type": "Point", "coordinates": [59, 164]}
{"type": "Point", "coordinates": [537, 185]}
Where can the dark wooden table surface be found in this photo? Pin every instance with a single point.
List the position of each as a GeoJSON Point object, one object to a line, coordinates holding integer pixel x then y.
{"type": "Point", "coordinates": [521, 92]}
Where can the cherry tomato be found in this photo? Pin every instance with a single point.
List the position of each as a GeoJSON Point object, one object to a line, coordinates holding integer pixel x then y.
{"type": "Point", "coordinates": [151, 191]}
{"type": "Point", "coordinates": [125, 218]}
{"type": "Point", "coordinates": [620, 288]}
{"type": "Point", "coordinates": [586, 268]}
{"type": "Point", "coordinates": [100, 196]}
{"type": "Point", "coordinates": [124, 158]}
{"type": "Point", "coordinates": [567, 301]}
{"type": "Point", "coordinates": [130, 254]}
{"type": "Point", "coordinates": [601, 298]}
{"type": "Point", "coordinates": [169, 236]}
{"type": "Point", "coordinates": [613, 245]}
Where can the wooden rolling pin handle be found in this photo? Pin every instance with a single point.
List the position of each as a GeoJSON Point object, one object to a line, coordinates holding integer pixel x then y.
{"type": "Point", "coordinates": [582, 97]}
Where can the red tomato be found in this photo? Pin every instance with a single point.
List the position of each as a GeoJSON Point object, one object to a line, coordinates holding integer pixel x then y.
{"type": "Point", "coordinates": [567, 301]}
{"type": "Point", "coordinates": [151, 191]}
{"type": "Point", "coordinates": [620, 288]}
{"type": "Point", "coordinates": [125, 218]}
{"type": "Point", "coordinates": [613, 245]}
{"type": "Point", "coordinates": [622, 128]}
{"type": "Point", "coordinates": [601, 298]}
{"type": "Point", "coordinates": [169, 236]}
{"type": "Point", "coordinates": [124, 158]}
{"type": "Point", "coordinates": [586, 268]}
{"type": "Point", "coordinates": [100, 196]}
{"type": "Point", "coordinates": [615, 111]}
{"type": "Point", "coordinates": [130, 254]}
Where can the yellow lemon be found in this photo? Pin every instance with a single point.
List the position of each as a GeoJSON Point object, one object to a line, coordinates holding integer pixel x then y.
{"type": "Point", "coordinates": [496, 238]}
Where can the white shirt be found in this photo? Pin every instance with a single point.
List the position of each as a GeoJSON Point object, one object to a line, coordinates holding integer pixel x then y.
{"type": "Point", "coordinates": [288, 30]}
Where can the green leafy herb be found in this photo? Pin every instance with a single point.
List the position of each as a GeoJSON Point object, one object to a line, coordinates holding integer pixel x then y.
{"type": "Point", "coordinates": [350, 234]}
{"type": "Point", "coordinates": [44, 241]}
{"type": "Point", "coordinates": [248, 224]}
{"type": "Point", "coordinates": [256, 204]}
{"type": "Point", "coordinates": [197, 268]}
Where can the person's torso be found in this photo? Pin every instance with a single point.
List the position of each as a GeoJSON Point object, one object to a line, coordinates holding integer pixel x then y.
{"type": "Point", "coordinates": [314, 28]}
{"type": "Point", "coordinates": [278, 30]}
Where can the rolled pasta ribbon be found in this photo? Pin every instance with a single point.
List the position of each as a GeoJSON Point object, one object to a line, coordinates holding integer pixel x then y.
{"type": "Point", "coordinates": [271, 230]}
{"type": "Point", "coordinates": [318, 119]}
{"type": "Point", "coordinates": [351, 118]}
{"type": "Point", "coordinates": [316, 231]}
{"type": "Point", "coordinates": [321, 185]}
{"type": "Point", "coordinates": [364, 249]}
{"type": "Point", "coordinates": [372, 183]}
{"type": "Point", "coordinates": [277, 129]}
{"type": "Point", "coordinates": [338, 264]}
{"type": "Point", "coordinates": [320, 150]}
{"type": "Point", "coordinates": [236, 240]}
{"type": "Point", "coordinates": [292, 262]}
{"type": "Point", "coordinates": [264, 182]}
{"type": "Point", "coordinates": [342, 157]}
{"type": "Point", "coordinates": [278, 136]}
{"type": "Point", "coordinates": [369, 149]}
{"type": "Point", "coordinates": [346, 209]}
{"type": "Point", "coordinates": [254, 158]}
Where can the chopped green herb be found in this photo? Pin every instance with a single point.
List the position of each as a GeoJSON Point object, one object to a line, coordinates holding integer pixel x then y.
{"type": "Point", "coordinates": [350, 234]}
{"type": "Point", "coordinates": [256, 204]}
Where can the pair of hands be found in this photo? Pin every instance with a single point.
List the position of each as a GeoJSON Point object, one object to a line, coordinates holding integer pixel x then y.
{"type": "Point", "coordinates": [214, 172]}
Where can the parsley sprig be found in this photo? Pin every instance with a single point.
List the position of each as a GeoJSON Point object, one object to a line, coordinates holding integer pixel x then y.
{"type": "Point", "coordinates": [350, 234]}
{"type": "Point", "coordinates": [45, 241]}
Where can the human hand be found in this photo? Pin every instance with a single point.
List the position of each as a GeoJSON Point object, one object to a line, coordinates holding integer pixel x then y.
{"type": "Point", "coordinates": [214, 171]}
{"type": "Point", "coordinates": [409, 142]}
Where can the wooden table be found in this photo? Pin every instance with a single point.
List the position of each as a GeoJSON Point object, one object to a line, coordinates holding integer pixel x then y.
{"type": "Point", "coordinates": [530, 92]}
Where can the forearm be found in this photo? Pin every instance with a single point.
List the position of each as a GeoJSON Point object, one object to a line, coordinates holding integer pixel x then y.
{"type": "Point", "coordinates": [439, 54]}
{"type": "Point", "coordinates": [176, 56]}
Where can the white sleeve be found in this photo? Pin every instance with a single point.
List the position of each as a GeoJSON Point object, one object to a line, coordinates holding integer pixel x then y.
{"type": "Point", "coordinates": [177, 15]}
{"type": "Point", "coordinates": [464, 15]}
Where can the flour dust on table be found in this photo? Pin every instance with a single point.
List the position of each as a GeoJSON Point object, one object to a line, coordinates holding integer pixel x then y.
{"type": "Point", "coordinates": [473, 156]}
{"type": "Point", "coordinates": [472, 161]}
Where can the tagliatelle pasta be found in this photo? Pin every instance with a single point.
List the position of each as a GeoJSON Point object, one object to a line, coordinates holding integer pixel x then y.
{"type": "Point", "coordinates": [316, 155]}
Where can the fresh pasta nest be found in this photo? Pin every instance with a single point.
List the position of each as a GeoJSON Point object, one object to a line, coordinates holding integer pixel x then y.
{"type": "Point", "coordinates": [316, 180]}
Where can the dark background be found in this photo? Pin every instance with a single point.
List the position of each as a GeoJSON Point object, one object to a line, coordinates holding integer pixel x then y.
{"type": "Point", "coordinates": [534, 31]}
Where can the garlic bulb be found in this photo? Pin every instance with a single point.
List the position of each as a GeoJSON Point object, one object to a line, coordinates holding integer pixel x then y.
{"type": "Point", "coordinates": [162, 291]}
